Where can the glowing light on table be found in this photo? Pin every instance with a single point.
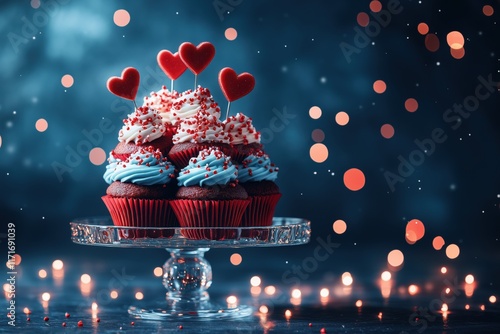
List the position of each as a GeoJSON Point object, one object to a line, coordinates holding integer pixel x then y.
{"type": "Point", "coordinates": [57, 265]}
{"type": "Point", "coordinates": [231, 301]}
{"type": "Point", "coordinates": [46, 296]}
{"type": "Point", "coordinates": [359, 303]}
{"type": "Point", "coordinates": [26, 310]}
{"type": "Point", "coordinates": [288, 314]}
{"type": "Point", "coordinates": [347, 279]}
{"type": "Point", "coordinates": [255, 281]}
{"type": "Point", "coordinates": [270, 290]}
{"type": "Point", "coordinates": [85, 279]}
{"type": "Point", "coordinates": [444, 307]}
{"type": "Point", "coordinates": [324, 292]}
{"type": "Point", "coordinates": [469, 289]}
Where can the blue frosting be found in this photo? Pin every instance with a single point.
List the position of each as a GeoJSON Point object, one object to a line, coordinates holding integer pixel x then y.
{"type": "Point", "coordinates": [257, 168]}
{"type": "Point", "coordinates": [145, 167]}
{"type": "Point", "coordinates": [211, 167]}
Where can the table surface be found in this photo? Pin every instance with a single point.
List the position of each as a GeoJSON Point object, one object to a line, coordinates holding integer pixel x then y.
{"type": "Point", "coordinates": [336, 314]}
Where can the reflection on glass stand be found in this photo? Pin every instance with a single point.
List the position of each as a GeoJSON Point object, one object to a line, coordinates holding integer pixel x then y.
{"type": "Point", "coordinates": [187, 274]}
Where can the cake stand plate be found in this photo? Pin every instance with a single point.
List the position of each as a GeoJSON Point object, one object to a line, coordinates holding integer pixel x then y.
{"type": "Point", "coordinates": [187, 274]}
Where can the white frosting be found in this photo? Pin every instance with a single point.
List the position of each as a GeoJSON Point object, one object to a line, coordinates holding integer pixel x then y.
{"type": "Point", "coordinates": [200, 128]}
{"type": "Point", "coordinates": [142, 126]}
{"type": "Point", "coordinates": [240, 130]}
{"type": "Point", "coordinates": [189, 103]}
{"type": "Point", "coordinates": [162, 101]}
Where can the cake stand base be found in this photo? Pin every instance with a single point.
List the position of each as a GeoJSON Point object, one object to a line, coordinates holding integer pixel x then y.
{"type": "Point", "coordinates": [195, 311]}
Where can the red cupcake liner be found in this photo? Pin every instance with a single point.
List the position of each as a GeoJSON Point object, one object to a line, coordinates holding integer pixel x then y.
{"type": "Point", "coordinates": [259, 213]}
{"type": "Point", "coordinates": [209, 213]}
{"type": "Point", "coordinates": [181, 158]}
{"type": "Point", "coordinates": [137, 212]}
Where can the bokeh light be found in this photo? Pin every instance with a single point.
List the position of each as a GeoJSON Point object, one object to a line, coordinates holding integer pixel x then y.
{"type": "Point", "coordinates": [158, 271]}
{"type": "Point", "coordinates": [113, 294]}
{"type": "Point", "coordinates": [296, 293]}
{"type": "Point", "coordinates": [412, 289]}
{"type": "Point", "coordinates": [359, 303]}
{"type": "Point", "coordinates": [45, 296]}
{"type": "Point", "coordinates": [41, 125]}
{"type": "Point", "coordinates": [342, 118]}
{"type": "Point", "coordinates": [318, 153]}
{"type": "Point", "coordinates": [67, 81]}
{"type": "Point", "coordinates": [85, 278]}
{"type": "Point", "coordinates": [411, 105]}
{"type": "Point", "coordinates": [415, 230]}
{"type": "Point", "coordinates": [315, 112]}
{"type": "Point", "coordinates": [379, 86]}
{"type": "Point", "coordinates": [270, 290]}
{"type": "Point", "coordinates": [457, 53]}
{"type": "Point", "coordinates": [230, 34]}
{"type": "Point", "coordinates": [386, 276]}
{"type": "Point", "coordinates": [452, 251]}
{"type": "Point", "coordinates": [488, 10]}
{"type": "Point", "coordinates": [17, 259]}
{"type": "Point", "coordinates": [444, 270]}
{"type": "Point", "coordinates": [432, 42]}
{"type": "Point", "coordinates": [444, 307]}
{"type": "Point", "coordinates": [324, 292]}
{"type": "Point", "coordinates": [97, 156]}
{"type": "Point", "coordinates": [455, 40]}
{"type": "Point", "coordinates": [395, 258]}
{"type": "Point", "coordinates": [339, 226]}
{"type": "Point", "coordinates": [36, 3]}
{"type": "Point", "coordinates": [255, 281]}
{"type": "Point", "coordinates": [57, 265]}
{"type": "Point", "coordinates": [139, 295]}
{"type": "Point", "coordinates": [423, 28]}
{"type": "Point", "coordinates": [387, 131]}
{"type": "Point", "coordinates": [363, 19]}
{"type": "Point", "coordinates": [375, 6]}
{"type": "Point", "coordinates": [438, 242]}
{"type": "Point", "coordinates": [347, 279]}
{"type": "Point", "coordinates": [492, 299]}
{"type": "Point", "coordinates": [42, 273]}
{"type": "Point", "coordinates": [482, 307]}
{"type": "Point", "coordinates": [288, 314]}
{"type": "Point", "coordinates": [121, 17]}
{"type": "Point", "coordinates": [263, 309]}
{"type": "Point", "coordinates": [469, 279]}
{"type": "Point", "coordinates": [231, 300]}
{"type": "Point", "coordinates": [318, 135]}
{"type": "Point", "coordinates": [354, 179]}
{"type": "Point", "coordinates": [236, 259]}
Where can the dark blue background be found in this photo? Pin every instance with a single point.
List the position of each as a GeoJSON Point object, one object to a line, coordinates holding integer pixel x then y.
{"type": "Point", "coordinates": [292, 49]}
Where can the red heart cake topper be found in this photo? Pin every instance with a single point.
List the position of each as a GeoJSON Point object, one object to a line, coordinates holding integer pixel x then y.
{"type": "Point", "coordinates": [171, 64]}
{"type": "Point", "coordinates": [235, 86]}
{"type": "Point", "coordinates": [125, 86]}
{"type": "Point", "coordinates": [198, 57]}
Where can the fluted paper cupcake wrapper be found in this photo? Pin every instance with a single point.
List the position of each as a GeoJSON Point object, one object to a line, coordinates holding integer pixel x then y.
{"type": "Point", "coordinates": [259, 213]}
{"type": "Point", "coordinates": [135, 212]}
{"type": "Point", "coordinates": [209, 213]}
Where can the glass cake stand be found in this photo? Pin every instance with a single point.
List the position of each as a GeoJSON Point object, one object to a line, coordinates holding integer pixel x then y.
{"type": "Point", "coordinates": [187, 274]}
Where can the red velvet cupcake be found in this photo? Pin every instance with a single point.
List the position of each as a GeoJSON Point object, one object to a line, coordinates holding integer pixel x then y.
{"type": "Point", "coordinates": [209, 196]}
{"type": "Point", "coordinates": [140, 190]}
{"type": "Point", "coordinates": [257, 175]}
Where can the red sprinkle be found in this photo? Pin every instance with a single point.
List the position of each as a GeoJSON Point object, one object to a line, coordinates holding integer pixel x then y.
{"type": "Point", "coordinates": [310, 324]}
{"type": "Point", "coordinates": [45, 318]}
{"type": "Point", "coordinates": [28, 319]}
{"type": "Point", "coordinates": [180, 327]}
{"type": "Point", "coordinates": [98, 320]}
{"type": "Point", "coordinates": [80, 323]}
{"type": "Point", "coordinates": [322, 330]}
{"type": "Point", "coordinates": [132, 323]}
{"type": "Point", "coordinates": [67, 315]}
{"type": "Point", "coordinates": [63, 324]}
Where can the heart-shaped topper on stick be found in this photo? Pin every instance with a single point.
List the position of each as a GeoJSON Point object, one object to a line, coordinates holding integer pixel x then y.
{"type": "Point", "coordinates": [125, 86]}
{"type": "Point", "coordinates": [235, 86]}
{"type": "Point", "coordinates": [196, 58]}
{"type": "Point", "coordinates": [171, 64]}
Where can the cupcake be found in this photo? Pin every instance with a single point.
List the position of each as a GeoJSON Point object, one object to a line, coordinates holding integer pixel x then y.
{"type": "Point", "coordinates": [244, 139]}
{"type": "Point", "coordinates": [139, 192]}
{"type": "Point", "coordinates": [143, 127]}
{"type": "Point", "coordinates": [209, 196]}
{"type": "Point", "coordinates": [257, 175]}
{"type": "Point", "coordinates": [198, 132]}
